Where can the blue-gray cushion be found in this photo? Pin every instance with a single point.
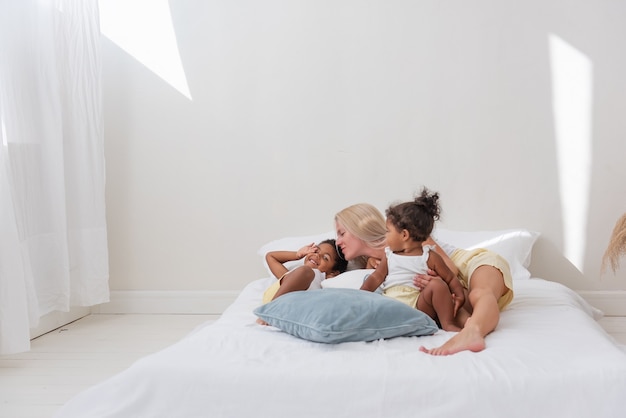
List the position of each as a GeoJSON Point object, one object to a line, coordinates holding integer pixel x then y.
{"type": "Point", "coordinates": [342, 315]}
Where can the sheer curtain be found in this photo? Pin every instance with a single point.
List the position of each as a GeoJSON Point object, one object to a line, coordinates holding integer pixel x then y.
{"type": "Point", "coordinates": [53, 241]}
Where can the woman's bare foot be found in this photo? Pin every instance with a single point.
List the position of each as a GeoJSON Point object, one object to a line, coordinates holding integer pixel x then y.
{"type": "Point", "coordinates": [469, 338]}
{"type": "Point", "coordinates": [261, 322]}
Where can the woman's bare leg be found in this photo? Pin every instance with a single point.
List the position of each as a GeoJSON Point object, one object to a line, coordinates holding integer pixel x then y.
{"type": "Point", "coordinates": [486, 287]}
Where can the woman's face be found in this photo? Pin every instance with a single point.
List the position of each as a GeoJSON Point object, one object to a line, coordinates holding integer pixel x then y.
{"type": "Point", "coordinates": [351, 246]}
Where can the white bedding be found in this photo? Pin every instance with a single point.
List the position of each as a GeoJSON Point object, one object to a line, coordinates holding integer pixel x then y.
{"type": "Point", "coordinates": [547, 358]}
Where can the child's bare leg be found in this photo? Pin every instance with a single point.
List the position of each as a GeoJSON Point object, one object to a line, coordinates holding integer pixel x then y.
{"type": "Point", "coordinates": [462, 316]}
{"type": "Point", "coordinates": [436, 299]}
{"type": "Point", "coordinates": [424, 303]}
{"type": "Point", "coordinates": [486, 287]}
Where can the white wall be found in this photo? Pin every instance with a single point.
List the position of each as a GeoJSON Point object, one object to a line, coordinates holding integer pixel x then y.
{"type": "Point", "coordinates": [300, 108]}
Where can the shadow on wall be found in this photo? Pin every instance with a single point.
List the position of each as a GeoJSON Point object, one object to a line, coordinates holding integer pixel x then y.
{"type": "Point", "coordinates": [548, 262]}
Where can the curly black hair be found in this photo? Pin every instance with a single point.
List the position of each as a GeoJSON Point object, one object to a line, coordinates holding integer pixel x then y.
{"type": "Point", "coordinates": [341, 264]}
{"type": "Point", "coordinates": [418, 217]}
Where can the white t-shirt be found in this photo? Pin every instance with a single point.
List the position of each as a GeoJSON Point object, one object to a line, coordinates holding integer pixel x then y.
{"type": "Point", "coordinates": [317, 280]}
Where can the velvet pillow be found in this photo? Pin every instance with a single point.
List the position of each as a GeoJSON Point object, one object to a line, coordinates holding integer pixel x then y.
{"type": "Point", "coordinates": [344, 315]}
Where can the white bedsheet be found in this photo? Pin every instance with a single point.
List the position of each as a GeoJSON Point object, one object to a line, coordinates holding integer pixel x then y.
{"type": "Point", "coordinates": [547, 358]}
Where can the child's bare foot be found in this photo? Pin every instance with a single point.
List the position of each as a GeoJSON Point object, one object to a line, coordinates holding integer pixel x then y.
{"type": "Point", "coordinates": [261, 322]}
{"type": "Point", "coordinates": [469, 338]}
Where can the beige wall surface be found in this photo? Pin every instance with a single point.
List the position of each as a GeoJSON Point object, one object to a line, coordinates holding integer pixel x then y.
{"type": "Point", "coordinates": [232, 123]}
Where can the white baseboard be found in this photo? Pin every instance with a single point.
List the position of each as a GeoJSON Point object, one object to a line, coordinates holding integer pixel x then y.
{"type": "Point", "coordinates": [611, 302]}
{"type": "Point", "coordinates": [166, 302]}
{"type": "Point", "coordinates": [57, 319]}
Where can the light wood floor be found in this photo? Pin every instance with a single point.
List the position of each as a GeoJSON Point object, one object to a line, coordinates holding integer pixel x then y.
{"type": "Point", "coordinates": [76, 356]}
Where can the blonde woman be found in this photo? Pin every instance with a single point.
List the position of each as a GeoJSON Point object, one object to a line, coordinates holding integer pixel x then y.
{"type": "Point", "coordinates": [361, 233]}
{"type": "Point", "coordinates": [361, 236]}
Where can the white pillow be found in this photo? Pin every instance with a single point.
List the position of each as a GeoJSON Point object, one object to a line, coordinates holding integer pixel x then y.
{"type": "Point", "coordinates": [352, 279]}
{"type": "Point", "coordinates": [292, 244]}
{"type": "Point", "coordinates": [515, 245]}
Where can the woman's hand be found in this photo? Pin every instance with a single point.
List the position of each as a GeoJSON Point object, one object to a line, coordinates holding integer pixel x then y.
{"type": "Point", "coordinates": [372, 263]}
{"type": "Point", "coordinates": [421, 280]}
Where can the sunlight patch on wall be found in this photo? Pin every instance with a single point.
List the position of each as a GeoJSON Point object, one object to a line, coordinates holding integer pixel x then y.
{"type": "Point", "coordinates": [144, 29]}
{"type": "Point", "coordinates": [3, 131]}
{"type": "Point", "coordinates": [572, 95]}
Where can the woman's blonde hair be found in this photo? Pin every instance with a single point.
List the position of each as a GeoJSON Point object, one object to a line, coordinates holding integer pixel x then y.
{"type": "Point", "coordinates": [365, 222]}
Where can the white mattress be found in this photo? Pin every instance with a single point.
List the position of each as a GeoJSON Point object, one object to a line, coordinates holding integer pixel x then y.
{"type": "Point", "coordinates": [547, 358]}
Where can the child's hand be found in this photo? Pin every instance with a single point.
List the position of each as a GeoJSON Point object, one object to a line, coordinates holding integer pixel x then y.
{"type": "Point", "coordinates": [306, 250]}
{"type": "Point", "coordinates": [459, 301]}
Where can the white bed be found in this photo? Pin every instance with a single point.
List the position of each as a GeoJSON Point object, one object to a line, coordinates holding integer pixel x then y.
{"type": "Point", "coordinates": [547, 358]}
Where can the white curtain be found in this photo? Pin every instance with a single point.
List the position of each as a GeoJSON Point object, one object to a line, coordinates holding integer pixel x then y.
{"type": "Point", "coordinates": [53, 242]}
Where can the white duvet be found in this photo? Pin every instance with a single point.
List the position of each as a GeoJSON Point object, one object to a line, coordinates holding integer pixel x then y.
{"type": "Point", "coordinates": [547, 358]}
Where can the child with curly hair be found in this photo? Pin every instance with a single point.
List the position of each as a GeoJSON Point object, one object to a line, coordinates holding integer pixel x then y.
{"type": "Point", "coordinates": [321, 261]}
{"type": "Point", "coordinates": [409, 225]}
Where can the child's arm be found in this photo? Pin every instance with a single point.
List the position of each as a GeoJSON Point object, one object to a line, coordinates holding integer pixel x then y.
{"type": "Point", "coordinates": [437, 263]}
{"type": "Point", "coordinates": [275, 259]}
{"type": "Point", "coordinates": [451, 266]}
{"type": "Point", "coordinates": [377, 278]}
